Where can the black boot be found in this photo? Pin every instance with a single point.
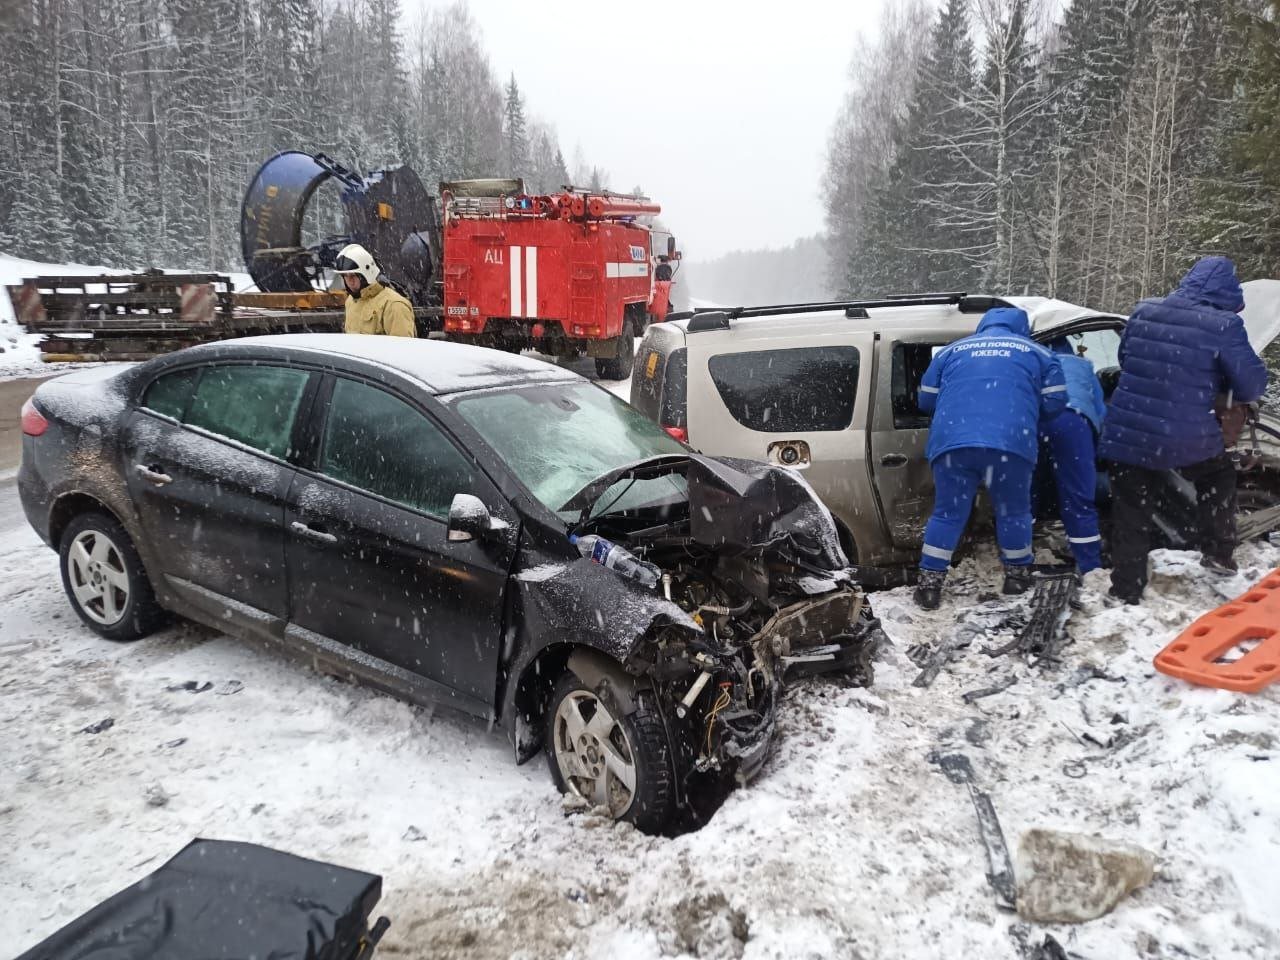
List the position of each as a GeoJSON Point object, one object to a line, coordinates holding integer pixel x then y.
{"type": "Point", "coordinates": [1016, 580]}
{"type": "Point", "coordinates": [928, 593]}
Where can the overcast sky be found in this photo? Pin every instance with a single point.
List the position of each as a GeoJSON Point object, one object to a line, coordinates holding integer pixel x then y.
{"type": "Point", "coordinates": [720, 110]}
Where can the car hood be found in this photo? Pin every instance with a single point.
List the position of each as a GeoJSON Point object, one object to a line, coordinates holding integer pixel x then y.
{"type": "Point", "coordinates": [738, 505]}
{"type": "Point", "coordinates": [1261, 312]}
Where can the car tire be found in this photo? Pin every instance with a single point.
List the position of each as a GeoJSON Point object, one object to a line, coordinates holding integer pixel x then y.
{"type": "Point", "coordinates": [104, 579]}
{"type": "Point", "coordinates": [636, 742]}
{"type": "Point", "coordinates": [619, 367]}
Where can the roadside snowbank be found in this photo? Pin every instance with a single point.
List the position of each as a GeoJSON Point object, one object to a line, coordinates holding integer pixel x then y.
{"type": "Point", "coordinates": [851, 843]}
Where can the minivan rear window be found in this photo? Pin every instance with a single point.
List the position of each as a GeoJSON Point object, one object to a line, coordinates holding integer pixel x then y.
{"type": "Point", "coordinates": [659, 386]}
{"type": "Point", "coordinates": [785, 391]}
{"type": "Point", "coordinates": [675, 390]}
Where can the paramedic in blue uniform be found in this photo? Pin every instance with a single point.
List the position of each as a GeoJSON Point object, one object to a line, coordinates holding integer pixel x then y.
{"type": "Point", "coordinates": [988, 393]}
{"type": "Point", "coordinates": [1071, 438]}
{"type": "Point", "coordinates": [1179, 356]}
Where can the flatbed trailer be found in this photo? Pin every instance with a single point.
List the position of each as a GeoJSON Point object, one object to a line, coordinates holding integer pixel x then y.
{"type": "Point", "coordinates": [111, 318]}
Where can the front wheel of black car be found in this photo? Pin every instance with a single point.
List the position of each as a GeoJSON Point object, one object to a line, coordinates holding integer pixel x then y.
{"type": "Point", "coordinates": [620, 763]}
{"type": "Point", "coordinates": [104, 579]}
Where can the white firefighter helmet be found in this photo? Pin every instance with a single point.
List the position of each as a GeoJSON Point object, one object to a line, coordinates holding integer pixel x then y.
{"type": "Point", "coordinates": [354, 258]}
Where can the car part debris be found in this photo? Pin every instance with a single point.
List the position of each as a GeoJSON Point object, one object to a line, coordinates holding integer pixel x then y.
{"type": "Point", "coordinates": [974, 624]}
{"type": "Point", "coordinates": [230, 687]}
{"type": "Point", "coordinates": [959, 770]}
{"type": "Point", "coordinates": [1001, 687]}
{"type": "Point", "coordinates": [1088, 671]}
{"type": "Point", "coordinates": [1199, 654]}
{"type": "Point", "coordinates": [100, 726]}
{"type": "Point", "coordinates": [1050, 949]}
{"type": "Point", "coordinates": [192, 685]}
{"type": "Point", "coordinates": [1045, 631]}
{"type": "Point", "coordinates": [1258, 525]}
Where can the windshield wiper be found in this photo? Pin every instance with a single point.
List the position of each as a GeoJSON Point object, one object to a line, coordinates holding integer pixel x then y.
{"type": "Point", "coordinates": [596, 514]}
{"type": "Point", "coordinates": [645, 469]}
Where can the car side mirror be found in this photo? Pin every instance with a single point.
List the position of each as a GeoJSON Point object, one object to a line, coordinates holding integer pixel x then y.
{"type": "Point", "coordinates": [469, 519]}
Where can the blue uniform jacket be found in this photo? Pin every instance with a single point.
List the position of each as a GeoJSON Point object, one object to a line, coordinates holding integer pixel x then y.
{"type": "Point", "coordinates": [1084, 392]}
{"type": "Point", "coordinates": [1177, 354]}
{"type": "Point", "coordinates": [991, 389]}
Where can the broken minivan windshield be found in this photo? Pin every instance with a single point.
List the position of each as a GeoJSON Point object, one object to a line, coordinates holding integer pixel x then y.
{"type": "Point", "coordinates": [557, 438]}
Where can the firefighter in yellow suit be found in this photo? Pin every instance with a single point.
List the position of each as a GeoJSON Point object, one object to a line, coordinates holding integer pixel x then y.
{"type": "Point", "coordinates": [372, 307]}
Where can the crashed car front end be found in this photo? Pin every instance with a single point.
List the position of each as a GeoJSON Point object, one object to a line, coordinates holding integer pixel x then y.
{"type": "Point", "coordinates": [762, 594]}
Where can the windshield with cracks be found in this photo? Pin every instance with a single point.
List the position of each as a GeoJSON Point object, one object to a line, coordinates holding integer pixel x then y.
{"type": "Point", "coordinates": [557, 438]}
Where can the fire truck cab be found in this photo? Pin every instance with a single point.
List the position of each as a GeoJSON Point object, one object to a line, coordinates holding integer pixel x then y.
{"type": "Point", "coordinates": [568, 274]}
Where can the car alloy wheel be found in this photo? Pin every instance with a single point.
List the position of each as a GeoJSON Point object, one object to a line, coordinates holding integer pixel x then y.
{"type": "Point", "coordinates": [595, 757]}
{"type": "Point", "coordinates": [98, 577]}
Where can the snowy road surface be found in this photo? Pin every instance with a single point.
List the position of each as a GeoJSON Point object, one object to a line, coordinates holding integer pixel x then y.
{"type": "Point", "coordinates": [849, 845]}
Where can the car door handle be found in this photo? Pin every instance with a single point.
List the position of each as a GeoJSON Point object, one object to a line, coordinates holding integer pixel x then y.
{"type": "Point", "coordinates": [152, 475]}
{"type": "Point", "coordinates": [302, 530]}
{"type": "Point", "coordinates": [894, 460]}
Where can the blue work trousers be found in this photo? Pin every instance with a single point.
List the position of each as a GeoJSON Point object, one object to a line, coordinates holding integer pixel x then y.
{"type": "Point", "coordinates": [956, 476]}
{"type": "Point", "coordinates": [1073, 460]}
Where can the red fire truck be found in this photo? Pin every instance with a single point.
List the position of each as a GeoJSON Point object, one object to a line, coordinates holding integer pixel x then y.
{"type": "Point", "coordinates": [566, 275]}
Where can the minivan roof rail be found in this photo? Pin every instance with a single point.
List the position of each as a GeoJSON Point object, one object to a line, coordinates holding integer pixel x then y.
{"type": "Point", "coordinates": [717, 318]}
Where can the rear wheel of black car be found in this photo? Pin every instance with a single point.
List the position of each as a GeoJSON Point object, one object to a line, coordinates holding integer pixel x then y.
{"type": "Point", "coordinates": [104, 579]}
{"type": "Point", "coordinates": [621, 763]}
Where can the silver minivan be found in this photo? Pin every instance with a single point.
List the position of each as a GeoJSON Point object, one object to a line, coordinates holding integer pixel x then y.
{"type": "Point", "coordinates": [830, 389]}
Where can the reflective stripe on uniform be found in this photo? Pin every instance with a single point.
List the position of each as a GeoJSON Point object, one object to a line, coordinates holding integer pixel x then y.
{"type": "Point", "coordinates": [937, 552]}
{"type": "Point", "coordinates": [1061, 388]}
{"type": "Point", "coordinates": [1094, 539]}
{"type": "Point", "coordinates": [924, 389]}
{"type": "Point", "coordinates": [1016, 554]}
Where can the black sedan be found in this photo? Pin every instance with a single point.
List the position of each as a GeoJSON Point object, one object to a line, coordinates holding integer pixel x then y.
{"type": "Point", "coordinates": [401, 511]}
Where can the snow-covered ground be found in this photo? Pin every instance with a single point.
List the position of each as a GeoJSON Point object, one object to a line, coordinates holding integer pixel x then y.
{"type": "Point", "coordinates": [851, 844]}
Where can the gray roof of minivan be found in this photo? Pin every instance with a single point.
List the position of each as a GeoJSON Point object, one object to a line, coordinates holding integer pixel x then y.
{"type": "Point", "coordinates": [1045, 314]}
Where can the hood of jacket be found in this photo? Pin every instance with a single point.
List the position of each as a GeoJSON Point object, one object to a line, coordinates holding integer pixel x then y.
{"type": "Point", "coordinates": [1213, 281]}
{"type": "Point", "coordinates": [1012, 319]}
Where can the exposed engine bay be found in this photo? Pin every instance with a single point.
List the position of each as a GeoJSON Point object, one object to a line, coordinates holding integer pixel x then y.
{"type": "Point", "coordinates": [752, 560]}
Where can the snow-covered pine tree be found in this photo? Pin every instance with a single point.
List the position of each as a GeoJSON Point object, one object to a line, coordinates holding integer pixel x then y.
{"type": "Point", "coordinates": [1006, 134]}
{"type": "Point", "coordinates": [863, 145]}
{"type": "Point", "coordinates": [515, 136]}
{"type": "Point", "coordinates": [1237, 183]}
{"type": "Point", "coordinates": [934, 219]}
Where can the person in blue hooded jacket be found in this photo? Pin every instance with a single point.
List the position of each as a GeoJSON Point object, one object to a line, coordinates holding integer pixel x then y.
{"type": "Point", "coordinates": [987, 393]}
{"type": "Point", "coordinates": [1071, 440]}
{"type": "Point", "coordinates": [1179, 354]}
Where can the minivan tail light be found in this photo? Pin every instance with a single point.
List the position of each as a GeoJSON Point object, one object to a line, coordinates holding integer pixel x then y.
{"type": "Point", "coordinates": [33, 421]}
{"type": "Point", "coordinates": [680, 433]}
